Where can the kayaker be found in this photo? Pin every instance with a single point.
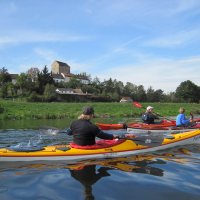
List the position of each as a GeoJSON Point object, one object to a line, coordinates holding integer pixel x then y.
{"type": "Point", "coordinates": [148, 117]}
{"type": "Point", "coordinates": [84, 131]}
{"type": "Point", "coordinates": [181, 119]}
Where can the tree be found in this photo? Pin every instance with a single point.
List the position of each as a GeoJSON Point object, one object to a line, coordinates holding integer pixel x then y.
{"type": "Point", "coordinates": [171, 97]}
{"type": "Point", "coordinates": [108, 86]}
{"type": "Point", "coordinates": [154, 95]}
{"type": "Point", "coordinates": [5, 77]}
{"type": "Point", "coordinates": [141, 93]}
{"type": "Point", "coordinates": [188, 91]}
{"type": "Point", "coordinates": [158, 95]}
{"type": "Point", "coordinates": [49, 93]}
{"type": "Point", "coordinates": [130, 89]}
{"type": "Point", "coordinates": [4, 90]}
{"type": "Point", "coordinates": [96, 86]}
{"type": "Point", "coordinates": [33, 73]}
{"type": "Point", "coordinates": [23, 83]}
{"type": "Point", "coordinates": [150, 94]}
{"type": "Point", "coordinates": [12, 89]}
{"type": "Point", "coordinates": [74, 83]}
{"type": "Point", "coordinates": [119, 87]}
{"type": "Point", "coordinates": [44, 78]}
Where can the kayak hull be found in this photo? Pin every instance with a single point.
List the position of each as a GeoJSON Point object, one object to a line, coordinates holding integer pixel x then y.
{"type": "Point", "coordinates": [124, 148]}
{"type": "Point", "coordinates": [164, 130]}
{"type": "Point", "coordinates": [164, 123]}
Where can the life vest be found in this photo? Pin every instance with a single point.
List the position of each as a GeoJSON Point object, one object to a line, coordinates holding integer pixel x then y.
{"type": "Point", "coordinates": [145, 117]}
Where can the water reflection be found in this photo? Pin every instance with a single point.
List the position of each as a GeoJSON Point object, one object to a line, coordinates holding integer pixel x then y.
{"type": "Point", "coordinates": [89, 172]}
{"type": "Point", "coordinates": [136, 164]}
{"type": "Point", "coordinates": [89, 175]}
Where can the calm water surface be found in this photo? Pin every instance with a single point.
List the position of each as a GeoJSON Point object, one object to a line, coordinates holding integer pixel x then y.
{"type": "Point", "coordinates": [170, 174]}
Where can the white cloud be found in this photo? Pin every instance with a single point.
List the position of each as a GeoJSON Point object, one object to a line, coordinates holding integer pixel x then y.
{"type": "Point", "coordinates": [38, 36]}
{"type": "Point", "coordinates": [174, 40]}
{"type": "Point", "coordinates": [184, 6]}
{"type": "Point", "coordinates": [131, 11]}
{"type": "Point", "coordinates": [160, 74]}
{"type": "Point", "coordinates": [46, 54]}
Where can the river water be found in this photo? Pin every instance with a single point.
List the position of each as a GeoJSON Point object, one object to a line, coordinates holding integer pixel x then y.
{"type": "Point", "coordinates": [171, 174]}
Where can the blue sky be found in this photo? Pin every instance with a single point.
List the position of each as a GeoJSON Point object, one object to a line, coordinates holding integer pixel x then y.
{"type": "Point", "coordinates": [146, 42]}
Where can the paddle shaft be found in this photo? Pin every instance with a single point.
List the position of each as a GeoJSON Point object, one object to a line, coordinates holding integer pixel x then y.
{"type": "Point", "coordinates": [138, 105]}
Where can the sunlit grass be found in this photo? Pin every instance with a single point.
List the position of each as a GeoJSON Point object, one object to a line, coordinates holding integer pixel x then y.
{"type": "Point", "coordinates": [24, 110]}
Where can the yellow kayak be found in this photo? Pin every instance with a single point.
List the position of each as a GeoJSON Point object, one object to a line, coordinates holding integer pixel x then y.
{"type": "Point", "coordinates": [103, 149]}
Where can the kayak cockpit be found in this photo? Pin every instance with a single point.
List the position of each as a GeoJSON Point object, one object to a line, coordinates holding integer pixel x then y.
{"type": "Point", "coordinates": [100, 144]}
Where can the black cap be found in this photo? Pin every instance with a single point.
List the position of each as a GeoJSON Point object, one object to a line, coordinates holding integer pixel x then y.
{"type": "Point", "coordinates": [88, 110]}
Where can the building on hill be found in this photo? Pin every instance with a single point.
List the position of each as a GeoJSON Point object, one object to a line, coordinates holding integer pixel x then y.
{"type": "Point", "coordinates": [69, 91]}
{"type": "Point", "coordinates": [61, 73]}
{"type": "Point", "coordinates": [71, 95]}
{"type": "Point", "coordinates": [14, 78]}
{"type": "Point", "coordinates": [58, 78]}
{"type": "Point", "coordinates": [83, 79]}
{"type": "Point", "coordinates": [58, 67]}
{"type": "Point", "coordinates": [126, 100]}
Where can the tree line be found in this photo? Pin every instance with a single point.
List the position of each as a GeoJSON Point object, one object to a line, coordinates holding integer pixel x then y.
{"type": "Point", "coordinates": [35, 85]}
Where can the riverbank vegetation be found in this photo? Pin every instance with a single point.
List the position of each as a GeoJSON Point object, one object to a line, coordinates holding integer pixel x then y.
{"type": "Point", "coordinates": [19, 109]}
{"type": "Point", "coordinates": [35, 97]}
{"type": "Point", "coordinates": [41, 87]}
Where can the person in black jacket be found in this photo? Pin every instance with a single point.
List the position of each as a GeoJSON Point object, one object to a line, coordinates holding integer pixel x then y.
{"type": "Point", "coordinates": [84, 131]}
{"type": "Point", "coordinates": [148, 117]}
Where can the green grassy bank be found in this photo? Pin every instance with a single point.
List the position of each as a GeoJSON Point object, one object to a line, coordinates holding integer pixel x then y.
{"type": "Point", "coordinates": [17, 110]}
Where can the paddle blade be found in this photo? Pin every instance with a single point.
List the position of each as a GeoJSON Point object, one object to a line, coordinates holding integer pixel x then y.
{"type": "Point", "coordinates": [146, 139]}
{"type": "Point", "coordinates": [136, 104]}
{"type": "Point", "coordinates": [151, 141]}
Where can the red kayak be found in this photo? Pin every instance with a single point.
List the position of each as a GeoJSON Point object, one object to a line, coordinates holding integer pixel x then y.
{"type": "Point", "coordinates": [163, 130]}
{"type": "Point", "coordinates": [111, 126]}
{"type": "Point", "coordinates": [162, 124]}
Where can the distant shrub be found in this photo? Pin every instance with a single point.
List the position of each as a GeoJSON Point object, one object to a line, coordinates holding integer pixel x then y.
{"type": "Point", "coordinates": [1, 109]}
{"type": "Point", "coordinates": [34, 97]}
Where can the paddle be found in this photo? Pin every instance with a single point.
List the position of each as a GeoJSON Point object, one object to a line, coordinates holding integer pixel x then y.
{"type": "Point", "coordinates": [191, 115]}
{"type": "Point", "coordinates": [138, 105]}
{"type": "Point", "coordinates": [145, 140]}
{"type": "Point", "coordinates": [192, 118]}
